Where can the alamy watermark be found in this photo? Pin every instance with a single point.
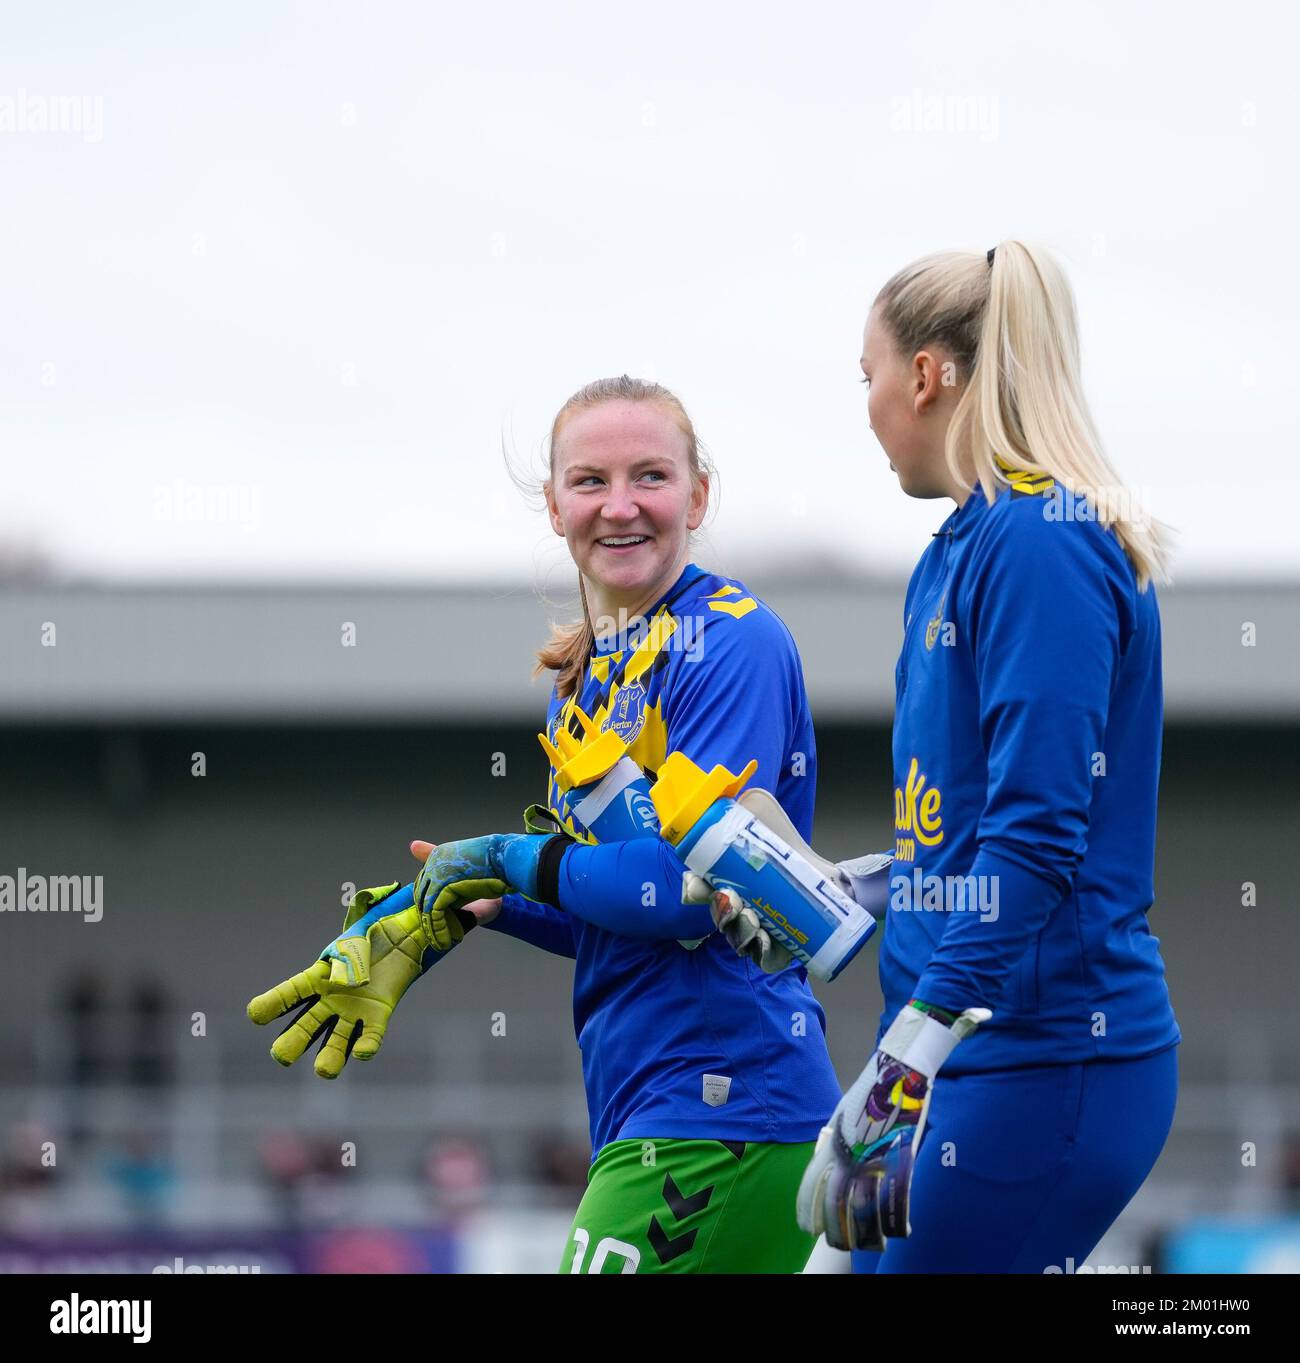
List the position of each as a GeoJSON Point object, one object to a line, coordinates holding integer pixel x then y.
{"type": "Point", "coordinates": [74, 1315]}
{"type": "Point", "coordinates": [186, 503]}
{"type": "Point", "coordinates": [921, 893]}
{"type": "Point", "coordinates": [178, 1265]}
{"type": "Point", "coordinates": [82, 115]}
{"type": "Point", "coordinates": [1071, 1267]}
{"type": "Point", "coordinates": [1104, 503]}
{"type": "Point", "coordinates": [24, 893]}
{"type": "Point", "coordinates": [922, 112]}
{"type": "Point", "coordinates": [632, 631]}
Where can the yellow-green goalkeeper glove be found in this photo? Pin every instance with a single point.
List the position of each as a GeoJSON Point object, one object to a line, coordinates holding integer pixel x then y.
{"type": "Point", "coordinates": [454, 876]}
{"type": "Point", "coordinates": [348, 955]}
{"type": "Point", "coordinates": [352, 1018]}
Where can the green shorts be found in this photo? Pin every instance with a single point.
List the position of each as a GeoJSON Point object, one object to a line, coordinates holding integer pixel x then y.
{"type": "Point", "coordinates": [690, 1206]}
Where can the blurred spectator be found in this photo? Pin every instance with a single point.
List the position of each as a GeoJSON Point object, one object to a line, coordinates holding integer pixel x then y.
{"type": "Point", "coordinates": [1291, 1172]}
{"type": "Point", "coordinates": [562, 1163]}
{"type": "Point", "coordinates": [27, 1178]}
{"type": "Point", "coordinates": [285, 1161]}
{"type": "Point", "coordinates": [458, 1175]}
{"type": "Point", "coordinates": [145, 1178]}
{"type": "Point", "coordinates": [305, 1177]}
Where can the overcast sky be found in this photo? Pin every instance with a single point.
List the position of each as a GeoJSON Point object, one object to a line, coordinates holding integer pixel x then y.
{"type": "Point", "coordinates": [277, 278]}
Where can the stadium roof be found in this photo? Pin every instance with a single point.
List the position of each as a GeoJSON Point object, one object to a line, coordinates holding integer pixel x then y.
{"type": "Point", "coordinates": [276, 653]}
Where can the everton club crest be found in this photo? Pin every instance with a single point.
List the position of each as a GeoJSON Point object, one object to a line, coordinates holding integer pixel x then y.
{"type": "Point", "coordinates": [627, 712]}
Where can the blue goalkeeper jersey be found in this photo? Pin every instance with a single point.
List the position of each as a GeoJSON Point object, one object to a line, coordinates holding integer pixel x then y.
{"type": "Point", "coordinates": [675, 1041]}
{"type": "Point", "coordinates": [1026, 763]}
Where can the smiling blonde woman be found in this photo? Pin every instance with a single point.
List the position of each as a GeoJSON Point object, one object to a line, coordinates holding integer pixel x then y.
{"type": "Point", "coordinates": [707, 1077]}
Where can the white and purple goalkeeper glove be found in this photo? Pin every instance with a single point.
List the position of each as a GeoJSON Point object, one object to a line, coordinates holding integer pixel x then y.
{"type": "Point", "coordinates": [857, 1185]}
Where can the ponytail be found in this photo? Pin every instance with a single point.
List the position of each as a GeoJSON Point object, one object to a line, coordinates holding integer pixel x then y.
{"type": "Point", "coordinates": [1009, 320]}
{"type": "Point", "coordinates": [567, 650]}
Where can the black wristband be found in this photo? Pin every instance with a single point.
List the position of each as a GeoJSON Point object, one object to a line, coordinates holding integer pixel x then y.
{"type": "Point", "coordinates": [548, 869]}
{"type": "Point", "coordinates": [465, 919]}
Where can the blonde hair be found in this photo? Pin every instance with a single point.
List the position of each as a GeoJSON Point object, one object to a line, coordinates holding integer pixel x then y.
{"type": "Point", "coordinates": [567, 650]}
{"type": "Point", "coordinates": [1009, 320]}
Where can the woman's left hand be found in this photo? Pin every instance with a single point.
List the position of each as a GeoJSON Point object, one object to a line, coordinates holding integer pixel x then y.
{"type": "Point", "coordinates": [484, 910]}
{"type": "Point", "coordinates": [857, 1185]}
{"type": "Point", "coordinates": [456, 874]}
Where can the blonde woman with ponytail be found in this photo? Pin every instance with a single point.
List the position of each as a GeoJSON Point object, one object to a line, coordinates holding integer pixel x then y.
{"type": "Point", "coordinates": [1026, 761]}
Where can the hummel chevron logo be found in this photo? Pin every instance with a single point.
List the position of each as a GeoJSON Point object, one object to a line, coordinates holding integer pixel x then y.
{"type": "Point", "coordinates": [681, 1207]}
{"type": "Point", "coordinates": [667, 1249]}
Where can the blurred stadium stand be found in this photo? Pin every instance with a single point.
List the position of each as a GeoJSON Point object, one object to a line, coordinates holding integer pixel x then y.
{"type": "Point", "coordinates": [323, 761]}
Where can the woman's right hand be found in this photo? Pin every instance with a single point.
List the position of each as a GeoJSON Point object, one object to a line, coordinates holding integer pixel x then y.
{"type": "Point", "coordinates": [484, 910]}
{"type": "Point", "coordinates": [743, 929]}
